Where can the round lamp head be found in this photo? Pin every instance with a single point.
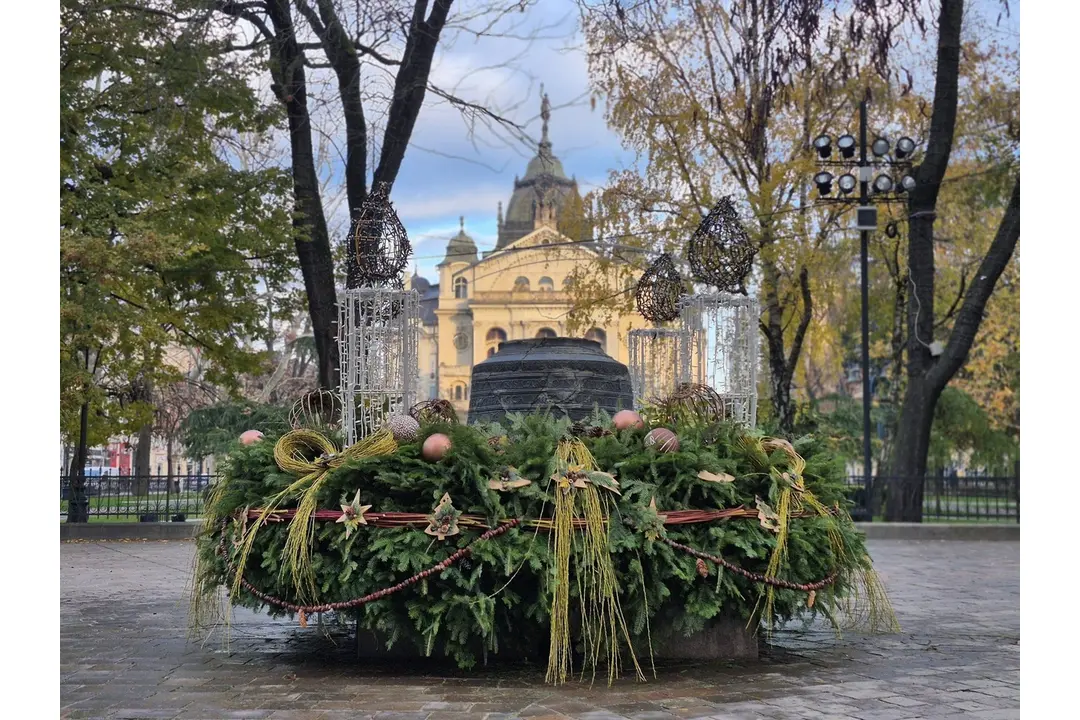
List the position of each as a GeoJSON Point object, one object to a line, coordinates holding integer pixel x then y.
{"type": "Point", "coordinates": [846, 143]}
{"type": "Point", "coordinates": [847, 183]}
{"type": "Point", "coordinates": [904, 147]}
{"type": "Point", "coordinates": [880, 147]}
{"type": "Point", "coordinates": [823, 145]}
{"type": "Point", "coordinates": [883, 184]}
{"type": "Point", "coordinates": [891, 230]}
{"type": "Point", "coordinates": [907, 183]}
{"type": "Point", "coordinates": [823, 180]}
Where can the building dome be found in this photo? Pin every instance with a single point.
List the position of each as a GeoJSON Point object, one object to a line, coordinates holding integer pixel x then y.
{"type": "Point", "coordinates": [461, 248]}
{"type": "Point", "coordinates": [545, 183]}
{"type": "Point", "coordinates": [420, 284]}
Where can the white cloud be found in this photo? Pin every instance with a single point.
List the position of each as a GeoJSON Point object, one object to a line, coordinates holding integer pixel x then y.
{"type": "Point", "coordinates": [468, 200]}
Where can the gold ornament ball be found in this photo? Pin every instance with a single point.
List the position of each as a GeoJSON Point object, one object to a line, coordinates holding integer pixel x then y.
{"type": "Point", "coordinates": [249, 437]}
{"type": "Point", "coordinates": [435, 447]}
{"type": "Point", "coordinates": [663, 440]}
{"type": "Point", "coordinates": [626, 419]}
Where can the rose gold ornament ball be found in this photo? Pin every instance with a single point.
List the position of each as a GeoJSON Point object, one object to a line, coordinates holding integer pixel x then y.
{"type": "Point", "coordinates": [663, 440]}
{"type": "Point", "coordinates": [626, 419]}
{"type": "Point", "coordinates": [435, 447]}
{"type": "Point", "coordinates": [249, 437]}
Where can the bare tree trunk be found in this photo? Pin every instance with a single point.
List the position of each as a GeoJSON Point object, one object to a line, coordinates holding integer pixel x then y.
{"type": "Point", "coordinates": [928, 375]}
{"type": "Point", "coordinates": [78, 502]}
{"type": "Point", "coordinates": [141, 465]}
{"type": "Point", "coordinates": [782, 365]}
{"type": "Point", "coordinates": [309, 221]}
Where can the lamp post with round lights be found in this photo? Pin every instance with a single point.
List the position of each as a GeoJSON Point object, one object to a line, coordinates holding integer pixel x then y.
{"type": "Point", "coordinates": [883, 189]}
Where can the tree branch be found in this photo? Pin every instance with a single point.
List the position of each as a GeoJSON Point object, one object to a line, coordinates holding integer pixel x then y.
{"type": "Point", "coordinates": [804, 323]}
{"type": "Point", "coordinates": [970, 316]}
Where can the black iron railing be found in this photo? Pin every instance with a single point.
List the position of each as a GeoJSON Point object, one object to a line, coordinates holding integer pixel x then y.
{"type": "Point", "coordinates": [961, 498]}
{"type": "Point", "coordinates": [136, 498]}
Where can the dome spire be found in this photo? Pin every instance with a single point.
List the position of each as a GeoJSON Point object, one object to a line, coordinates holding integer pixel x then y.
{"type": "Point", "coordinates": [461, 219]}
{"type": "Point", "coordinates": [545, 116]}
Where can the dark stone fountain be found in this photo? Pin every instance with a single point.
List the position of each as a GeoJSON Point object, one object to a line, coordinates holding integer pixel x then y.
{"type": "Point", "coordinates": [567, 376]}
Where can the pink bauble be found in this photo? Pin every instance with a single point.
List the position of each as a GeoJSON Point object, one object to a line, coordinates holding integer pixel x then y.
{"type": "Point", "coordinates": [626, 419]}
{"type": "Point", "coordinates": [663, 440]}
{"type": "Point", "coordinates": [435, 447]}
{"type": "Point", "coordinates": [249, 437]}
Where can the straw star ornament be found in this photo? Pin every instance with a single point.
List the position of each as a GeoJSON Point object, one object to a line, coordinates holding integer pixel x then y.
{"type": "Point", "coordinates": [352, 515]}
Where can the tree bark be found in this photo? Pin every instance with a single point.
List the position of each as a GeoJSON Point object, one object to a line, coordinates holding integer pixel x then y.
{"type": "Point", "coordinates": [78, 502]}
{"type": "Point", "coordinates": [782, 365]}
{"type": "Point", "coordinates": [410, 85]}
{"type": "Point", "coordinates": [927, 375]}
{"type": "Point", "coordinates": [309, 221]}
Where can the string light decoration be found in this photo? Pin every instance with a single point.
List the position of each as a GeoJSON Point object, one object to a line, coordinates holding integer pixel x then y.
{"type": "Point", "coordinates": [658, 291]}
{"type": "Point", "coordinates": [720, 252]}
{"type": "Point", "coordinates": [379, 333]}
{"type": "Point", "coordinates": [378, 246]}
{"type": "Point", "coordinates": [720, 336]}
{"type": "Point", "coordinates": [654, 362]}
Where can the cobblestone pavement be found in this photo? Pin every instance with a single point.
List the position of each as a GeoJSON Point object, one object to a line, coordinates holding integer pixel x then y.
{"type": "Point", "coordinates": [124, 654]}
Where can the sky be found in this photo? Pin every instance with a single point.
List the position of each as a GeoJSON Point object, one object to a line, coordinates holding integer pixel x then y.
{"type": "Point", "coordinates": [450, 171]}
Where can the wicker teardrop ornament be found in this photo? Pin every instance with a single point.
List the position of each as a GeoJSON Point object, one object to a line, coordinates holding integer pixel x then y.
{"type": "Point", "coordinates": [659, 290]}
{"type": "Point", "coordinates": [720, 252]}
{"type": "Point", "coordinates": [378, 246]}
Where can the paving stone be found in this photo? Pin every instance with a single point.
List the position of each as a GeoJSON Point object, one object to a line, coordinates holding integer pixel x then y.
{"type": "Point", "coordinates": [124, 653]}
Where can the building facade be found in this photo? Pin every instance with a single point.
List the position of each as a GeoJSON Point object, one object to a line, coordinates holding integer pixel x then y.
{"type": "Point", "coordinates": [516, 291]}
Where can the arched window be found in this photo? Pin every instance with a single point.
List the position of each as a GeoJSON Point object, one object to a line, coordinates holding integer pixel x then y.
{"type": "Point", "coordinates": [491, 351]}
{"type": "Point", "coordinates": [461, 392]}
{"type": "Point", "coordinates": [546, 284]}
{"type": "Point", "coordinates": [597, 335]}
{"type": "Point", "coordinates": [461, 288]}
{"type": "Point", "coordinates": [546, 333]}
{"type": "Point", "coordinates": [496, 335]}
{"type": "Point", "coordinates": [567, 282]}
{"type": "Point", "coordinates": [521, 284]}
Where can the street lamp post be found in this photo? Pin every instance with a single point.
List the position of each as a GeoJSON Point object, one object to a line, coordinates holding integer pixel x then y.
{"type": "Point", "coordinates": [866, 220]}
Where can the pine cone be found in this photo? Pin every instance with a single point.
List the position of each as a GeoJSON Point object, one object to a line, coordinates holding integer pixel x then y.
{"type": "Point", "coordinates": [702, 568]}
{"type": "Point", "coordinates": [577, 429]}
{"type": "Point", "coordinates": [598, 432]}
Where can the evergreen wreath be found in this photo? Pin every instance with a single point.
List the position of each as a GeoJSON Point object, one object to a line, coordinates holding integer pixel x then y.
{"type": "Point", "coordinates": [732, 524]}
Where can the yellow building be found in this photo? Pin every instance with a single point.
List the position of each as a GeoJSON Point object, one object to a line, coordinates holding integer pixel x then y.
{"type": "Point", "coordinates": [516, 291]}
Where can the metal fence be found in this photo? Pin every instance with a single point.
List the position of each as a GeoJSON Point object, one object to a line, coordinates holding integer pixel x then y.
{"type": "Point", "coordinates": [142, 498]}
{"type": "Point", "coordinates": [157, 498]}
{"type": "Point", "coordinates": [945, 498]}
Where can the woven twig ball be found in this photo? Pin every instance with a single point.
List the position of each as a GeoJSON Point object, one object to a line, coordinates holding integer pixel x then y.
{"type": "Point", "coordinates": [318, 408]}
{"type": "Point", "coordinates": [659, 290]}
{"type": "Point", "coordinates": [720, 252]}
{"type": "Point", "coordinates": [378, 246]}
{"type": "Point", "coordinates": [432, 411]}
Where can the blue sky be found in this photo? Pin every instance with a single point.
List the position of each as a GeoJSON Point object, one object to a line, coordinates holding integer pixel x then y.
{"type": "Point", "coordinates": [449, 172]}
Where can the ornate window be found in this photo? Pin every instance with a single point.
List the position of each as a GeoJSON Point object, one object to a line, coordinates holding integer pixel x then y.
{"type": "Point", "coordinates": [546, 284]}
{"type": "Point", "coordinates": [461, 288]}
{"type": "Point", "coordinates": [597, 335]}
{"type": "Point", "coordinates": [461, 392]}
{"type": "Point", "coordinates": [496, 335]}
{"type": "Point", "coordinates": [546, 333]}
{"type": "Point", "coordinates": [521, 284]}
